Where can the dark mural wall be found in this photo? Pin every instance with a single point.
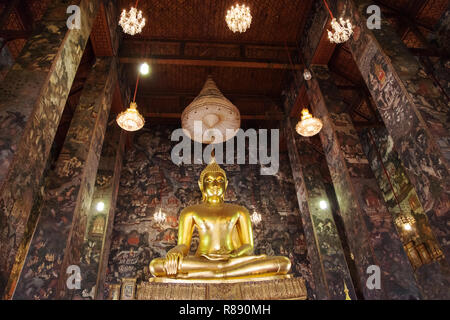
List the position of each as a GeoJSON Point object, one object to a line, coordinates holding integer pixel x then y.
{"type": "Point", "coordinates": [426, 257]}
{"type": "Point", "coordinates": [404, 191]}
{"type": "Point", "coordinates": [149, 175]}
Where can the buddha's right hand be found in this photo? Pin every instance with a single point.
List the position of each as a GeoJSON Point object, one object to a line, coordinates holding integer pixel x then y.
{"type": "Point", "coordinates": [173, 261]}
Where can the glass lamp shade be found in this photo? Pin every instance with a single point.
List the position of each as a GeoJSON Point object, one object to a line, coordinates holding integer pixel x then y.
{"type": "Point", "coordinates": [130, 119]}
{"type": "Point", "coordinates": [308, 126]}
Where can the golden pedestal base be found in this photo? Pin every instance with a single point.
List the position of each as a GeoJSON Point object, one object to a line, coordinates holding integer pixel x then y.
{"type": "Point", "coordinates": [264, 288]}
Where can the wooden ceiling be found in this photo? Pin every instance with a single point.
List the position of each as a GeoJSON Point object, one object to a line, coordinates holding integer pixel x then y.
{"type": "Point", "coordinates": [275, 21]}
{"type": "Point", "coordinates": [185, 40]}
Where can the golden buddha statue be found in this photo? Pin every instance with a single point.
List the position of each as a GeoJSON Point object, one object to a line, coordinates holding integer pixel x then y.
{"type": "Point", "coordinates": [226, 239]}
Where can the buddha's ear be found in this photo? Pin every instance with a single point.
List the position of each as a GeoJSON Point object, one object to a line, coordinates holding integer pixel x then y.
{"type": "Point", "coordinates": [200, 186]}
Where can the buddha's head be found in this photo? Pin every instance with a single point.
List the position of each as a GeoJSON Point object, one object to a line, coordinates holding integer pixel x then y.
{"type": "Point", "coordinates": [213, 183]}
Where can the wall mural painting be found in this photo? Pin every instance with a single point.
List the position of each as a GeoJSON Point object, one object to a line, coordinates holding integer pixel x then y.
{"type": "Point", "coordinates": [420, 244]}
{"type": "Point", "coordinates": [421, 233]}
{"type": "Point", "coordinates": [150, 181]}
{"type": "Point", "coordinates": [325, 252]}
{"type": "Point", "coordinates": [414, 110]}
{"type": "Point", "coordinates": [37, 85]}
{"type": "Point", "coordinates": [69, 189]}
{"type": "Point", "coordinates": [367, 221]}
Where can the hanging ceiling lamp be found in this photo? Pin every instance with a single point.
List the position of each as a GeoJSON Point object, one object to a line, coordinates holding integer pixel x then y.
{"type": "Point", "coordinates": [238, 18]}
{"type": "Point", "coordinates": [132, 21]}
{"type": "Point", "coordinates": [213, 111]}
{"type": "Point", "coordinates": [308, 126]}
{"type": "Point", "coordinates": [131, 119]}
{"type": "Point", "coordinates": [342, 30]}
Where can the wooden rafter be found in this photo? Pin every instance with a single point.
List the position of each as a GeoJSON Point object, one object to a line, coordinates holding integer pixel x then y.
{"type": "Point", "coordinates": [14, 34]}
{"type": "Point", "coordinates": [192, 94]}
{"type": "Point", "coordinates": [250, 63]}
{"type": "Point", "coordinates": [9, 8]}
{"type": "Point", "coordinates": [207, 53]}
{"type": "Point", "coordinates": [23, 11]}
{"type": "Point", "coordinates": [154, 40]}
{"type": "Point", "coordinates": [394, 12]}
{"type": "Point", "coordinates": [264, 117]}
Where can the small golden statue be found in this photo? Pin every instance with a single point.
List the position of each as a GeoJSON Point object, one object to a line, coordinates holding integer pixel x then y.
{"type": "Point", "coordinates": [226, 239]}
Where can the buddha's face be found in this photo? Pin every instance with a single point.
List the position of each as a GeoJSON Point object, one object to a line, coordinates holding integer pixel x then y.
{"type": "Point", "coordinates": [214, 186]}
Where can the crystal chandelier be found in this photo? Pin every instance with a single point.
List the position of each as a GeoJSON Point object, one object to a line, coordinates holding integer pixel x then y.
{"type": "Point", "coordinates": [159, 216]}
{"type": "Point", "coordinates": [132, 21]}
{"type": "Point", "coordinates": [308, 126]}
{"type": "Point", "coordinates": [131, 119]}
{"type": "Point", "coordinates": [342, 30]}
{"type": "Point", "coordinates": [238, 18]}
{"type": "Point", "coordinates": [255, 217]}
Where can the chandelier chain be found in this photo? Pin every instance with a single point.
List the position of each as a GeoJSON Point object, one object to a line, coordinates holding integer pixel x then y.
{"type": "Point", "coordinates": [136, 87]}
{"type": "Point", "coordinates": [328, 8]}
